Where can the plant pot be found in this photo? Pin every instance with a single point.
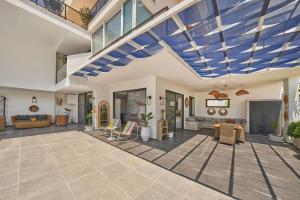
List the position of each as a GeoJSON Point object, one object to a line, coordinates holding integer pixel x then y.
{"type": "Point", "coordinates": [297, 142]}
{"type": "Point", "coordinates": [88, 128]}
{"type": "Point", "coordinates": [61, 120]}
{"type": "Point", "coordinates": [145, 133]}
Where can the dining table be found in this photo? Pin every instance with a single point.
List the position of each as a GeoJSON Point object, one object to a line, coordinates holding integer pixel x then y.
{"type": "Point", "coordinates": [240, 132]}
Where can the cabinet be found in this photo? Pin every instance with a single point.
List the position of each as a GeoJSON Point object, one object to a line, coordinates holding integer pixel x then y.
{"type": "Point", "coordinates": [162, 129]}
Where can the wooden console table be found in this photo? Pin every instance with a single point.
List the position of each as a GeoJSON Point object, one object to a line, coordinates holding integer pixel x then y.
{"type": "Point", "coordinates": [162, 129]}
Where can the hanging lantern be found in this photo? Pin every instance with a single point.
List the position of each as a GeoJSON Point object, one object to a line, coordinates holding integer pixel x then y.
{"type": "Point", "coordinates": [214, 93]}
{"type": "Point", "coordinates": [223, 95]}
{"type": "Point", "coordinates": [241, 92]}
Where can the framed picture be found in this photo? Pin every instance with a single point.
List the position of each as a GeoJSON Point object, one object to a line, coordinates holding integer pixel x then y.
{"type": "Point", "coordinates": [217, 103]}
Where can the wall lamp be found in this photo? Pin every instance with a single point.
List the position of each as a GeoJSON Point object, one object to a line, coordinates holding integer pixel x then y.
{"type": "Point", "coordinates": [34, 99]}
{"type": "Point", "coordinates": [148, 100]}
{"type": "Point", "coordinates": [162, 100]}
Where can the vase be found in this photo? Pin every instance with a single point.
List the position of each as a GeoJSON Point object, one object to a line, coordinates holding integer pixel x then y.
{"type": "Point", "coordinates": [145, 133]}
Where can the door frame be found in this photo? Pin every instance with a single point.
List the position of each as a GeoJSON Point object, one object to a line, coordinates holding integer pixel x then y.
{"type": "Point", "coordinates": [247, 128]}
{"type": "Point", "coordinates": [106, 103]}
{"type": "Point", "coordinates": [85, 94]}
{"type": "Point", "coordinates": [182, 106]}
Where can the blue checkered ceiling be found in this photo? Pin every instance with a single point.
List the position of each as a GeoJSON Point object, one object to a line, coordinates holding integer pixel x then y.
{"type": "Point", "coordinates": [218, 37]}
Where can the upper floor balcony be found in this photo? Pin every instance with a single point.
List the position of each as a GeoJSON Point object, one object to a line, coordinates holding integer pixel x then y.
{"type": "Point", "coordinates": [63, 10]}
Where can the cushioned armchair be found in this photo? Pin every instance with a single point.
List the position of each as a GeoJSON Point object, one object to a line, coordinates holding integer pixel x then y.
{"type": "Point", "coordinates": [227, 133]}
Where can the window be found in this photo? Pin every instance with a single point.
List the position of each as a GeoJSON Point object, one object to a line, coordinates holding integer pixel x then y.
{"type": "Point", "coordinates": [129, 105]}
{"type": "Point", "coordinates": [113, 29]}
{"type": "Point", "coordinates": [97, 40]}
{"type": "Point", "coordinates": [192, 106]}
{"type": "Point", "coordinates": [217, 103]}
{"type": "Point", "coordinates": [142, 13]}
{"type": "Point", "coordinates": [127, 16]}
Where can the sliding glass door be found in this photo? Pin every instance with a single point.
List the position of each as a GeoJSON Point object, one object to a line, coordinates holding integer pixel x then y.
{"type": "Point", "coordinates": [129, 105]}
{"type": "Point", "coordinates": [174, 110]}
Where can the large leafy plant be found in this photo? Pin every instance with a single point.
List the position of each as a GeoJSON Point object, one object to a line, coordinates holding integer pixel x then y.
{"type": "Point", "coordinates": [89, 118]}
{"type": "Point", "coordinates": [145, 118]}
{"type": "Point", "coordinates": [294, 129]}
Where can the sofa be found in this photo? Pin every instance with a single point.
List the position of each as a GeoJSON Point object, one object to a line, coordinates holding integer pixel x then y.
{"type": "Point", "coordinates": [197, 122]}
{"type": "Point", "coordinates": [31, 121]}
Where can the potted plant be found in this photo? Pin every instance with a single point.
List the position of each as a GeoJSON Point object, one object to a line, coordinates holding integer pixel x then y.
{"type": "Point", "coordinates": [60, 120]}
{"type": "Point", "coordinates": [145, 119]}
{"type": "Point", "coordinates": [89, 119]}
{"type": "Point", "coordinates": [86, 15]}
{"type": "Point", "coordinates": [275, 136]}
{"type": "Point", "coordinates": [294, 132]}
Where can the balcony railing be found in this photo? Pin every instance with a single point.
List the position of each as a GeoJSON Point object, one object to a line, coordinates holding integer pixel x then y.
{"type": "Point", "coordinates": [61, 9]}
{"type": "Point", "coordinates": [98, 7]}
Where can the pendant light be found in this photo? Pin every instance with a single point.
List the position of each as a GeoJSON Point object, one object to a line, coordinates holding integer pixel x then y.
{"type": "Point", "coordinates": [241, 92]}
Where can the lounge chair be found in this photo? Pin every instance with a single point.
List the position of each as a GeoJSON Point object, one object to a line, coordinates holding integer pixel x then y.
{"type": "Point", "coordinates": [111, 127]}
{"type": "Point", "coordinates": [127, 132]}
{"type": "Point", "coordinates": [227, 133]}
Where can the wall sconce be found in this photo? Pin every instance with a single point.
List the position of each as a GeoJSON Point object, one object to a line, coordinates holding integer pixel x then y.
{"type": "Point", "coordinates": [162, 100]}
{"type": "Point", "coordinates": [148, 100]}
{"type": "Point", "coordinates": [34, 100]}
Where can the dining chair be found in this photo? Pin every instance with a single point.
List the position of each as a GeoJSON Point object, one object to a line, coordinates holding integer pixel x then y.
{"type": "Point", "coordinates": [227, 133]}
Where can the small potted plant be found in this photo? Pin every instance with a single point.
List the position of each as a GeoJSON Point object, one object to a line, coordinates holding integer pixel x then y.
{"type": "Point", "coordinates": [86, 16]}
{"type": "Point", "coordinates": [60, 120]}
{"type": "Point", "coordinates": [89, 119]}
{"type": "Point", "coordinates": [294, 132]}
{"type": "Point", "coordinates": [145, 119]}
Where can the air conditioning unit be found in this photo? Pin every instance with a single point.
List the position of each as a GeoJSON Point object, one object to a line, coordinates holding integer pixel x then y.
{"type": "Point", "coordinates": [71, 99]}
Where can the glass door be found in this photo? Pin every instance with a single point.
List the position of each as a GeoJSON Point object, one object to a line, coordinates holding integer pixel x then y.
{"type": "Point", "coordinates": [174, 110]}
{"type": "Point", "coordinates": [81, 109]}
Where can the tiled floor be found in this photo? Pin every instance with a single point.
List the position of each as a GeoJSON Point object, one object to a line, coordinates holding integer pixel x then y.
{"type": "Point", "coordinates": [73, 165]}
{"type": "Point", "coordinates": [256, 169]}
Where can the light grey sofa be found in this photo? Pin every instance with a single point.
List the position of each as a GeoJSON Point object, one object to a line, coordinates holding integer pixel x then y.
{"type": "Point", "coordinates": [198, 122]}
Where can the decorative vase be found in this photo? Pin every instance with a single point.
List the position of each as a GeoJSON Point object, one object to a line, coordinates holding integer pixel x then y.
{"type": "Point", "coordinates": [145, 133]}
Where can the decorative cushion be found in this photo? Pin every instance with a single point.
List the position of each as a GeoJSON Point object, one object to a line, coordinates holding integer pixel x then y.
{"type": "Point", "coordinates": [33, 119]}
{"type": "Point", "coordinates": [22, 117]}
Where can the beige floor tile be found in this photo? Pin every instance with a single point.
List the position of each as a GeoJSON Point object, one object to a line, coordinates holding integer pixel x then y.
{"type": "Point", "coordinates": [133, 183]}
{"type": "Point", "coordinates": [59, 192]}
{"type": "Point", "coordinates": [9, 192]}
{"type": "Point", "coordinates": [75, 171]}
{"type": "Point", "coordinates": [109, 192]}
{"type": "Point", "coordinates": [88, 184]}
{"type": "Point", "coordinates": [9, 144]}
{"type": "Point", "coordinates": [115, 170]}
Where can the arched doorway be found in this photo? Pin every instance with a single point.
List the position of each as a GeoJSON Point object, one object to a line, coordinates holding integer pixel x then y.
{"type": "Point", "coordinates": [103, 114]}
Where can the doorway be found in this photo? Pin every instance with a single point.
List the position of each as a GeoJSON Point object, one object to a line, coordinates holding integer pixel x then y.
{"type": "Point", "coordinates": [103, 114]}
{"type": "Point", "coordinates": [174, 110]}
{"type": "Point", "coordinates": [262, 115]}
{"type": "Point", "coordinates": [85, 106]}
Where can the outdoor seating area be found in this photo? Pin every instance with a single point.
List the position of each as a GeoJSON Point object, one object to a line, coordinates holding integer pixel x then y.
{"type": "Point", "coordinates": [255, 169]}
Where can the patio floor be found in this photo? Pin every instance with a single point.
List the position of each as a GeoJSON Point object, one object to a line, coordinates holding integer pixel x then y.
{"type": "Point", "coordinates": [51, 164]}
{"type": "Point", "coordinates": [256, 169]}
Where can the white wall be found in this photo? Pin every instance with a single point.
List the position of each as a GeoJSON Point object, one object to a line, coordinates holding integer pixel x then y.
{"type": "Point", "coordinates": [26, 64]}
{"type": "Point", "coordinates": [294, 98]}
{"type": "Point", "coordinates": [238, 104]}
{"type": "Point", "coordinates": [19, 100]}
